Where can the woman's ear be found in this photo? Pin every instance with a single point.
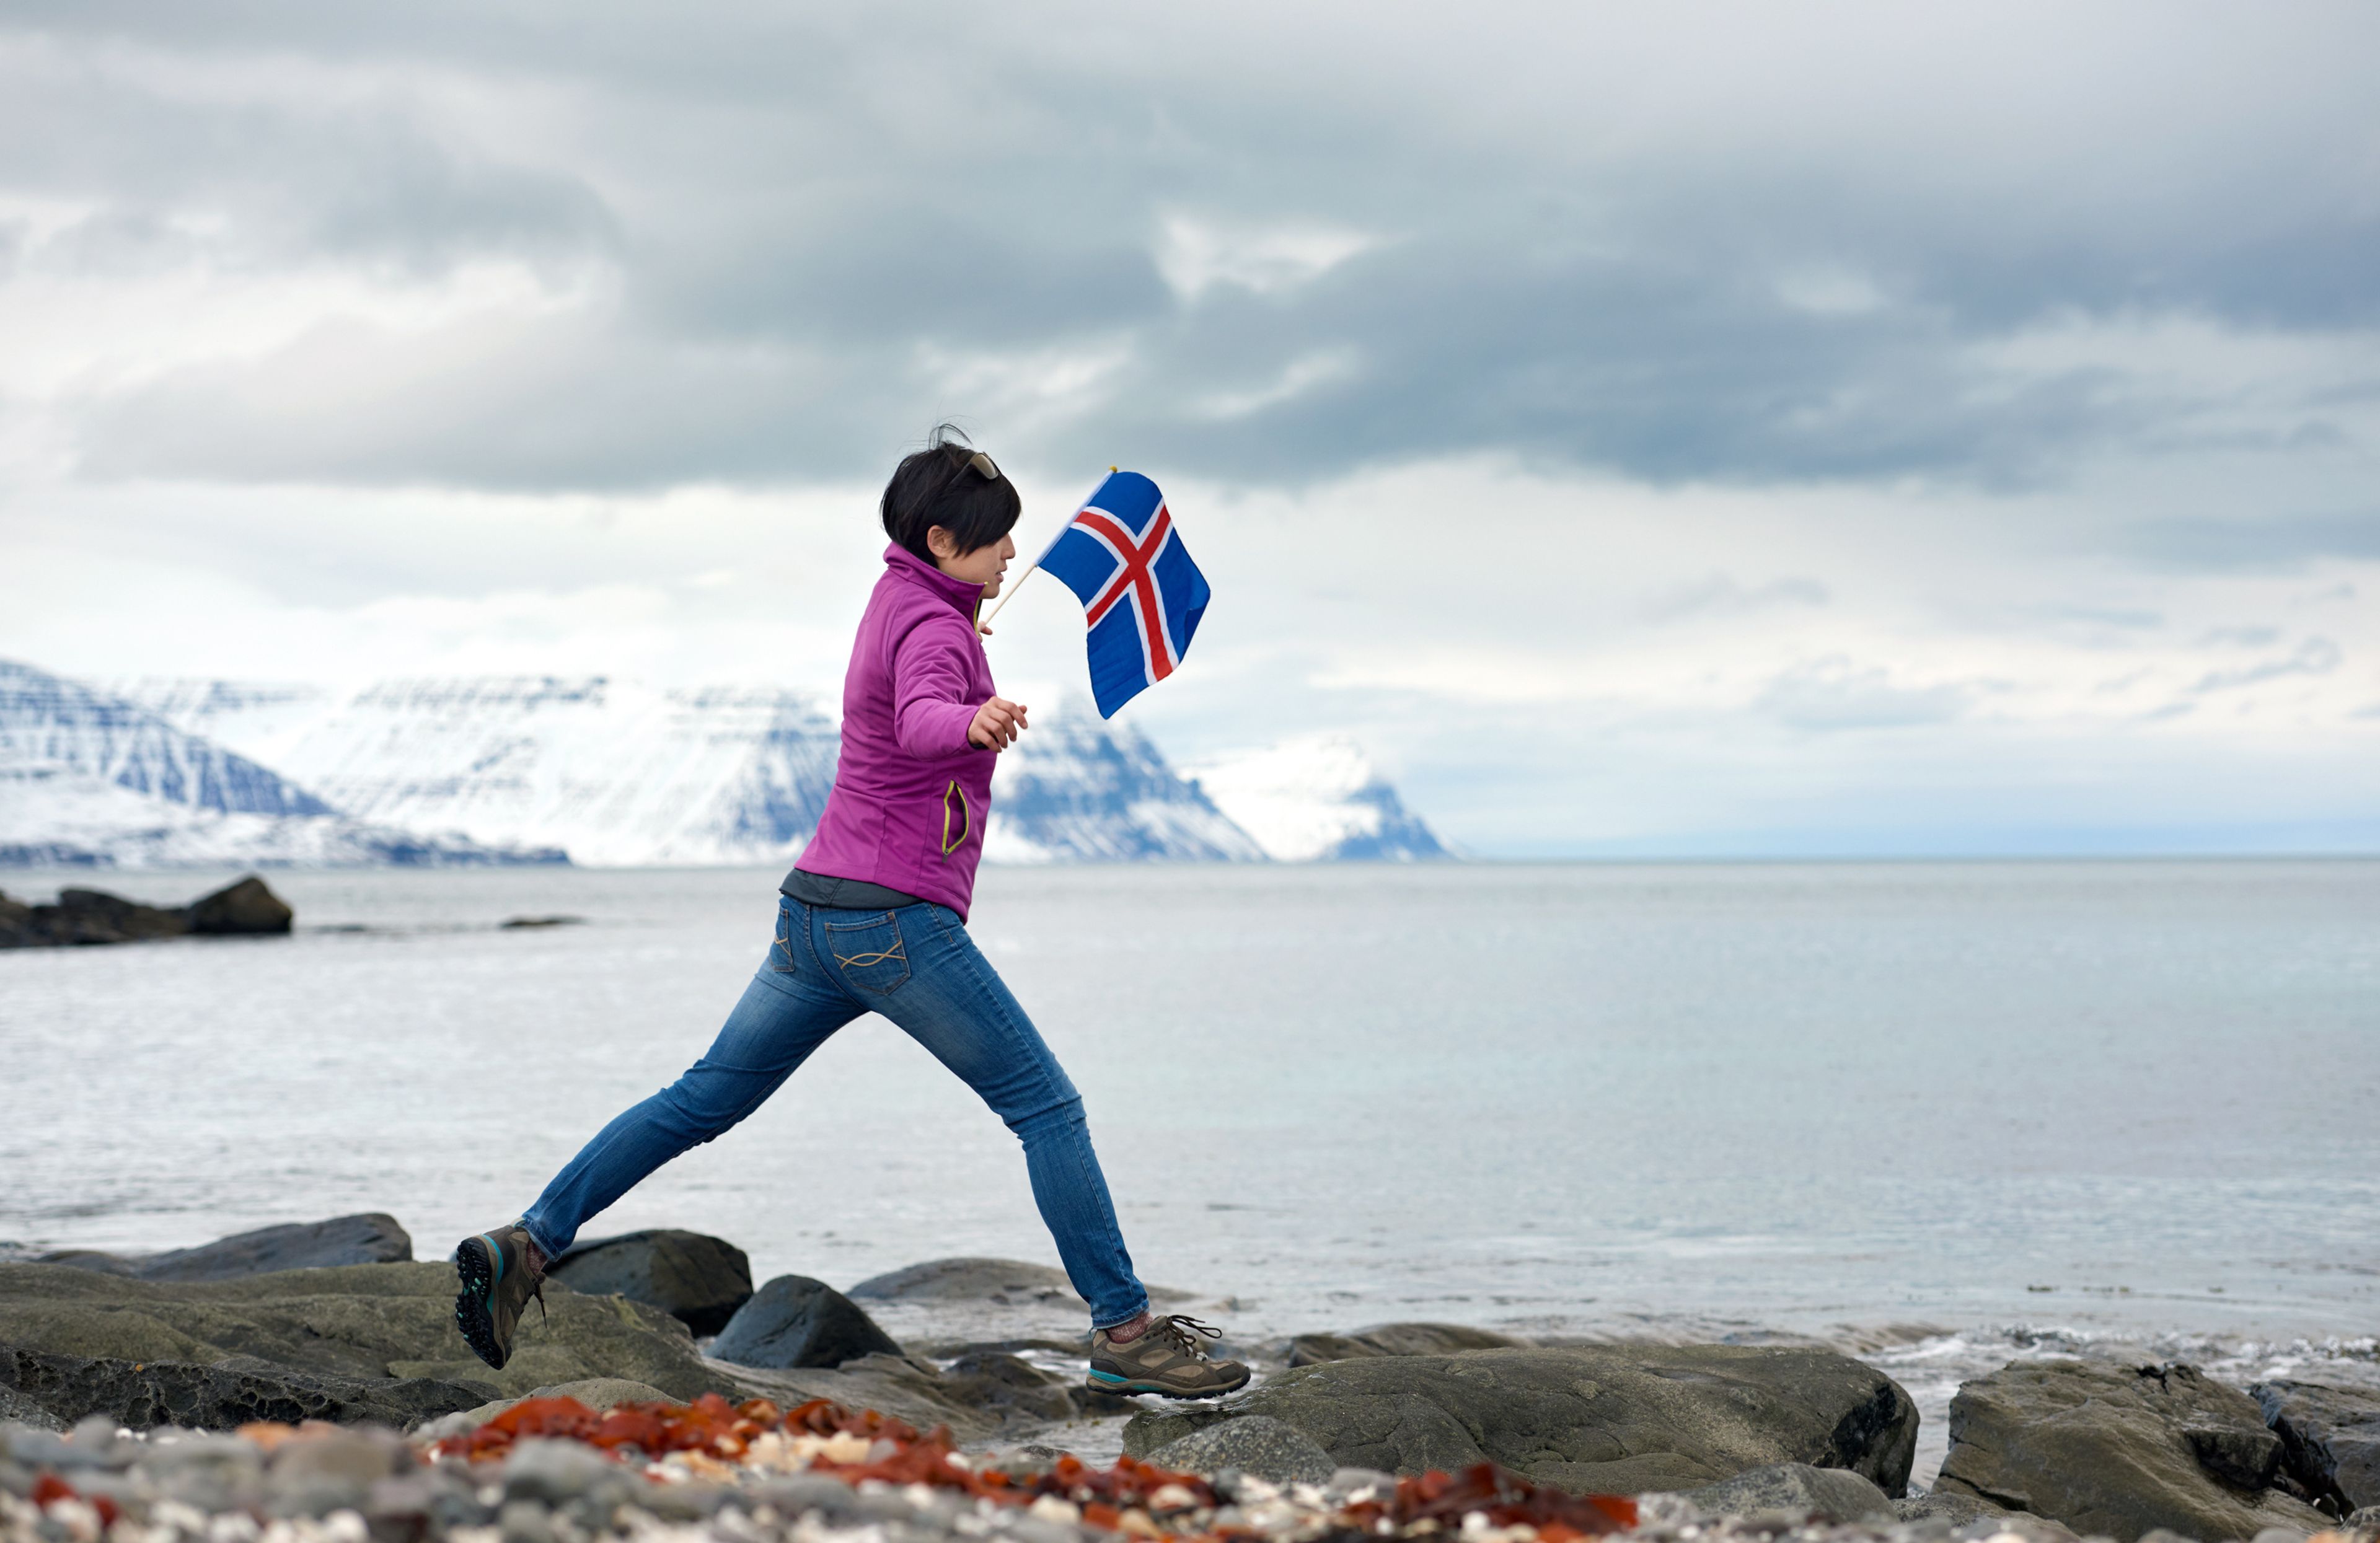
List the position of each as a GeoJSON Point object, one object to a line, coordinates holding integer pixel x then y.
{"type": "Point", "coordinates": [941, 542]}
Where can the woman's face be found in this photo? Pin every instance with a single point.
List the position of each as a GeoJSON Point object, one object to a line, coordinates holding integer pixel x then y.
{"type": "Point", "coordinates": [984, 566]}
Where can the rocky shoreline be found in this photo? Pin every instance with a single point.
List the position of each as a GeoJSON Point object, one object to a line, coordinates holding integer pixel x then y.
{"type": "Point", "coordinates": [306, 1383]}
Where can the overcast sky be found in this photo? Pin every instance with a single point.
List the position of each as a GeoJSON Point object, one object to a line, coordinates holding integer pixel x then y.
{"type": "Point", "coordinates": [1658, 428]}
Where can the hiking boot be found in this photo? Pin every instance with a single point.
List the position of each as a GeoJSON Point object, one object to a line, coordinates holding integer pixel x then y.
{"type": "Point", "coordinates": [497, 1284]}
{"type": "Point", "coordinates": [1167, 1358]}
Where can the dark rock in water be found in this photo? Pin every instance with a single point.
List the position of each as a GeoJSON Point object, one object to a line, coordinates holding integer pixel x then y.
{"type": "Point", "coordinates": [970, 1279]}
{"type": "Point", "coordinates": [1265, 1447]}
{"type": "Point", "coordinates": [1396, 1338]}
{"type": "Point", "coordinates": [796, 1321]}
{"type": "Point", "coordinates": [240, 909]}
{"type": "Point", "coordinates": [370, 1237]}
{"type": "Point", "coordinates": [2330, 1436]}
{"type": "Point", "coordinates": [359, 1321]}
{"type": "Point", "coordinates": [1829, 1494]}
{"type": "Point", "coordinates": [1011, 1386]}
{"type": "Point", "coordinates": [514, 924]}
{"type": "Point", "coordinates": [141, 1394]}
{"type": "Point", "coordinates": [2120, 1451]}
{"type": "Point", "coordinates": [1602, 1419]}
{"type": "Point", "coordinates": [700, 1280]}
{"type": "Point", "coordinates": [90, 1258]}
{"type": "Point", "coordinates": [1005, 1282]}
{"type": "Point", "coordinates": [95, 916]}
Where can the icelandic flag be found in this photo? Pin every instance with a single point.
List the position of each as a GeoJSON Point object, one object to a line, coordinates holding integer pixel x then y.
{"type": "Point", "coordinates": [1142, 596]}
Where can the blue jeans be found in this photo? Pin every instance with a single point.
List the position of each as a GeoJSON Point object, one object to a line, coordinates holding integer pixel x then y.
{"type": "Point", "coordinates": [919, 967]}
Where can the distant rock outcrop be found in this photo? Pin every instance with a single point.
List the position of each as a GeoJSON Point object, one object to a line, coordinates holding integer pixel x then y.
{"type": "Point", "coordinates": [80, 915]}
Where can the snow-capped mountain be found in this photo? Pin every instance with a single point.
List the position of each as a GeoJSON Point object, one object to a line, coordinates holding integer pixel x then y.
{"type": "Point", "coordinates": [621, 774]}
{"type": "Point", "coordinates": [1316, 799]}
{"type": "Point", "coordinates": [87, 778]}
{"type": "Point", "coordinates": [613, 773]}
{"type": "Point", "coordinates": [1078, 789]}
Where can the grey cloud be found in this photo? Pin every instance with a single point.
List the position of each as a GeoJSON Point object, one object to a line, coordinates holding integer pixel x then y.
{"type": "Point", "coordinates": [2279, 543]}
{"type": "Point", "coordinates": [1835, 694]}
{"type": "Point", "coordinates": [2240, 637]}
{"type": "Point", "coordinates": [811, 218]}
{"type": "Point", "coordinates": [2315, 656]}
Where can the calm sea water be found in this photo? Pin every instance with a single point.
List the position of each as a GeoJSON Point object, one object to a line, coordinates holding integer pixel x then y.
{"type": "Point", "coordinates": [1942, 1114]}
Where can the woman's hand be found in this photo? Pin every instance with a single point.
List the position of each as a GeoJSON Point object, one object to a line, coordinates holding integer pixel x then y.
{"type": "Point", "coordinates": [997, 724]}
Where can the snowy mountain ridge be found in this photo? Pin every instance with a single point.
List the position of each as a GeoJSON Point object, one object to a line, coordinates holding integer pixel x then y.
{"type": "Point", "coordinates": [608, 772]}
{"type": "Point", "coordinates": [90, 779]}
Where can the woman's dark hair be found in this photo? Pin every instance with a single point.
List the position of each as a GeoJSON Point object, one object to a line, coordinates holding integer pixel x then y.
{"type": "Point", "coordinates": [943, 485]}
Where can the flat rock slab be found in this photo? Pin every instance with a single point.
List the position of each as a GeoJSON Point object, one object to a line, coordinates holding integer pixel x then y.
{"type": "Point", "coordinates": [1829, 1494]}
{"type": "Point", "coordinates": [896, 1385]}
{"type": "Point", "coordinates": [2120, 1451]}
{"type": "Point", "coordinates": [141, 1394]}
{"type": "Point", "coordinates": [360, 1321]}
{"type": "Point", "coordinates": [1266, 1448]}
{"type": "Point", "coordinates": [795, 1322]}
{"type": "Point", "coordinates": [2330, 1437]}
{"type": "Point", "coordinates": [697, 1279]}
{"type": "Point", "coordinates": [1397, 1338]}
{"type": "Point", "coordinates": [1603, 1419]}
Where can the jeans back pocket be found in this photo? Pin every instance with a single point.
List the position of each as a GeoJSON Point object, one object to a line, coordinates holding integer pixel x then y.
{"type": "Point", "coordinates": [869, 954]}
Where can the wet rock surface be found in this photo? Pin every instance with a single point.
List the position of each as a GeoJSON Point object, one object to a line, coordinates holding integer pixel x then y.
{"type": "Point", "coordinates": [81, 917]}
{"type": "Point", "coordinates": [1601, 1419]}
{"type": "Point", "coordinates": [233, 1393]}
{"type": "Point", "coordinates": [2330, 1437]}
{"type": "Point", "coordinates": [698, 1280]}
{"type": "Point", "coordinates": [2121, 1451]}
{"type": "Point", "coordinates": [1827, 1494]}
{"type": "Point", "coordinates": [796, 1321]}
{"type": "Point", "coordinates": [359, 1321]}
{"type": "Point", "coordinates": [1396, 1338]}
{"type": "Point", "coordinates": [1266, 1448]}
{"type": "Point", "coordinates": [370, 1237]}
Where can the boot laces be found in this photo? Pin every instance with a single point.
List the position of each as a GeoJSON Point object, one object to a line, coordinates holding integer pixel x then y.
{"type": "Point", "coordinates": [1185, 1331]}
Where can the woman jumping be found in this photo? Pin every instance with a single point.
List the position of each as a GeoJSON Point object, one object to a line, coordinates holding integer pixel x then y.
{"type": "Point", "coordinates": [873, 918]}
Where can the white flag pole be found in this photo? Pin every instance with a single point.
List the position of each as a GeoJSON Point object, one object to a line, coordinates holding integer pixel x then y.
{"type": "Point", "coordinates": [1010, 593]}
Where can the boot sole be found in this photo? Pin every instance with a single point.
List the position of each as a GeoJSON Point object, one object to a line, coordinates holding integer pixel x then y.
{"type": "Point", "coordinates": [478, 1274]}
{"type": "Point", "coordinates": [1126, 1385]}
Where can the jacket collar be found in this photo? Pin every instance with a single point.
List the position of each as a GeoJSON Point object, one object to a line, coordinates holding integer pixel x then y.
{"type": "Point", "coordinates": [903, 562]}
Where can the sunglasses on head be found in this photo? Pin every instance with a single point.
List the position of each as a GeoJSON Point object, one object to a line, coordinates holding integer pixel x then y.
{"type": "Point", "coordinates": [982, 462]}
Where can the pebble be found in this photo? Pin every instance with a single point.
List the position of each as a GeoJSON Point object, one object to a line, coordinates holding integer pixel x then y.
{"type": "Point", "coordinates": [324, 1484]}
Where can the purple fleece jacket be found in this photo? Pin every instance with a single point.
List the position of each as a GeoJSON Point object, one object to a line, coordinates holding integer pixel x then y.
{"type": "Point", "coordinates": [910, 794]}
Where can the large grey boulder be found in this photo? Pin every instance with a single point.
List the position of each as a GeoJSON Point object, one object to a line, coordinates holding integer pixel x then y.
{"type": "Point", "coordinates": [359, 1321]}
{"type": "Point", "coordinates": [2330, 1436]}
{"type": "Point", "coordinates": [1396, 1338]}
{"type": "Point", "coordinates": [2120, 1451]}
{"type": "Point", "coordinates": [1829, 1494]}
{"type": "Point", "coordinates": [796, 1321]}
{"type": "Point", "coordinates": [1602, 1419]}
{"type": "Point", "coordinates": [370, 1237]}
{"type": "Point", "coordinates": [969, 1280]}
{"type": "Point", "coordinates": [141, 1394]}
{"type": "Point", "coordinates": [1255, 1445]}
{"type": "Point", "coordinates": [698, 1280]}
